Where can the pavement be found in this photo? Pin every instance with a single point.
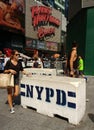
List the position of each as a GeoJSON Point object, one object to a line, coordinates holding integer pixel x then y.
{"type": "Point", "coordinates": [29, 119]}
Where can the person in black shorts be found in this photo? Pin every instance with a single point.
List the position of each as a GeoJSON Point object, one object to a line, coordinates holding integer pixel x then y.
{"type": "Point", "coordinates": [13, 66]}
{"type": "Point", "coordinates": [72, 62]}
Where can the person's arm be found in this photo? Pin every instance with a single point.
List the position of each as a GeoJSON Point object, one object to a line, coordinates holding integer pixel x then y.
{"type": "Point", "coordinates": [72, 59]}
{"type": "Point", "coordinates": [10, 71]}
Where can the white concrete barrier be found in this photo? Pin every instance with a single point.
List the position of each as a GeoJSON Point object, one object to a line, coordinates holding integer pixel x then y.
{"type": "Point", "coordinates": [54, 95]}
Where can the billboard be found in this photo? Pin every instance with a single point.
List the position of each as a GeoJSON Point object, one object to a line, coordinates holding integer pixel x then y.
{"type": "Point", "coordinates": [42, 22]}
{"type": "Point", "coordinates": [41, 45]}
{"type": "Point", "coordinates": [12, 15]}
{"type": "Point", "coordinates": [52, 46]}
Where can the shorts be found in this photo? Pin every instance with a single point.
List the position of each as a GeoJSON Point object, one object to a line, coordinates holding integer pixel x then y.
{"type": "Point", "coordinates": [81, 72]}
{"type": "Point", "coordinates": [16, 81]}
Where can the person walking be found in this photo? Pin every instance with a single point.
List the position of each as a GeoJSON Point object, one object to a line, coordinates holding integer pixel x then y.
{"type": "Point", "coordinates": [72, 60]}
{"type": "Point", "coordinates": [13, 66]}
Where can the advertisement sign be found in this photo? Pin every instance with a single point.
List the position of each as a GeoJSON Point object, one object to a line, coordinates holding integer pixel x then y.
{"type": "Point", "coordinates": [41, 45]}
{"type": "Point", "coordinates": [12, 16]}
{"type": "Point", "coordinates": [31, 43]}
{"type": "Point", "coordinates": [42, 22]}
{"type": "Point", "coordinates": [41, 16]}
{"type": "Point", "coordinates": [52, 46]}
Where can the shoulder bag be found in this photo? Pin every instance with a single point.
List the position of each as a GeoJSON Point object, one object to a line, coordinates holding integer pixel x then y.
{"type": "Point", "coordinates": [6, 80]}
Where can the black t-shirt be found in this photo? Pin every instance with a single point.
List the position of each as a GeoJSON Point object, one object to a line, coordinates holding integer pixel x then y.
{"type": "Point", "coordinates": [17, 68]}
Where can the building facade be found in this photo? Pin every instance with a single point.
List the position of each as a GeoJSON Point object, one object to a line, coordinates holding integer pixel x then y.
{"type": "Point", "coordinates": [43, 30]}
{"type": "Point", "coordinates": [42, 27]}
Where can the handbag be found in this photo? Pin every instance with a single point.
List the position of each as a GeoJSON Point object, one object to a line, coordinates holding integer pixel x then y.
{"type": "Point", "coordinates": [6, 80]}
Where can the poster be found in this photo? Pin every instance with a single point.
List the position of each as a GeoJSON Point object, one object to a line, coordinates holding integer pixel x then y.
{"type": "Point", "coordinates": [12, 15]}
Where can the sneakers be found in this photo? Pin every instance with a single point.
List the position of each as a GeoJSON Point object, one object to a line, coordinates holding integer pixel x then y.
{"type": "Point", "coordinates": [13, 103]}
{"type": "Point", "coordinates": [12, 110]}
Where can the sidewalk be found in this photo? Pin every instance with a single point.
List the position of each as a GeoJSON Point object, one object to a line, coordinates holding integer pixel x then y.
{"type": "Point", "coordinates": [29, 119]}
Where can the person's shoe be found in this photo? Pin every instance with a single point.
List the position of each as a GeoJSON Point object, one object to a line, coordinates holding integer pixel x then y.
{"type": "Point", "coordinates": [12, 110]}
{"type": "Point", "coordinates": [13, 103]}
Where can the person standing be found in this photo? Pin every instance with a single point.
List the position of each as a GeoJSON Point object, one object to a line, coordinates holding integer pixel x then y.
{"type": "Point", "coordinates": [13, 66]}
{"type": "Point", "coordinates": [72, 60]}
{"type": "Point", "coordinates": [35, 63]}
{"type": "Point", "coordinates": [1, 62]}
{"type": "Point", "coordinates": [80, 66]}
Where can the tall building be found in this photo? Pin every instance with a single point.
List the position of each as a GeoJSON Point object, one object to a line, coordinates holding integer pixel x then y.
{"type": "Point", "coordinates": [81, 29]}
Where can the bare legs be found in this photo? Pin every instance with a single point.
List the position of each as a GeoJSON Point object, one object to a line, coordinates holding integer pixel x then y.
{"type": "Point", "coordinates": [12, 93]}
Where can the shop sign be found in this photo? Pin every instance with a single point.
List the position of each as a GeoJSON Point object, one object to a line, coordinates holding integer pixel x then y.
{"type": "Point", "coordinates": [42, 32]}
{"type": "Point", "coordinates": [42, 16]}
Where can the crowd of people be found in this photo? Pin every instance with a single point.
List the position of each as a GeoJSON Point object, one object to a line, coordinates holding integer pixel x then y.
{"type": "Point", "coordinates": [73, 67]}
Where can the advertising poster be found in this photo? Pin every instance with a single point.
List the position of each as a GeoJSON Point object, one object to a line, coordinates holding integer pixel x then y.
{"type": "Point", "coordinates": [31, 43]}
{"type": "Point", "coordinates": [52, 46]}
{"type": "Point", "coordinates": [12, 15]}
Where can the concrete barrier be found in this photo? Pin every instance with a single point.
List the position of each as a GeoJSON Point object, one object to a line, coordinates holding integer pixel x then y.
{"type": "Point", "coordinates": [54, 95]}
{"type": "Point", "coordinates": [41, 71]}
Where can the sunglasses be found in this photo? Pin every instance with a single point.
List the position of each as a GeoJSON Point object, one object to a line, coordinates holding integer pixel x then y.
{"type": "Point", "coordinates": [17, 54]}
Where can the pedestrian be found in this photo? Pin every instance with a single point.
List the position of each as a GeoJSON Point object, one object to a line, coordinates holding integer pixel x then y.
{"type": "Point", "coordinates": [72, 60]}
{"type": "Point", "coordinates": [80, 66]}
{"type": "Point", "coordinates": [13, 66]}
{"type": "Point", "coordinates": [35, 63]}
{"type": "Point", "coordinates": [1, 62]}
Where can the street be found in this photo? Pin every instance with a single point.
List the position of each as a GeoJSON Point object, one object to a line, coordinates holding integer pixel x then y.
{"type": "Point", "coordinates": [29, 119]}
